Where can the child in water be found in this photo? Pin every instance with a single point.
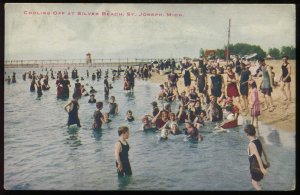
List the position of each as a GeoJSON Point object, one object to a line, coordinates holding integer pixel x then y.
{"type": "Point", "coordinates": [92, 99]}
{"type": "Point", "coordinates": [146, 123]}
{"type": "Point", "coordinates": [113, 107]}
{"type": "Point", "coordinates": [98, 116]}
{"type": "Point", "coordinates": [106, 117]}
{"type": "Point", "coordinates": [164, 134]}
{"type": "Point", "coordinates": [129, 116]}
{"type": "Point", "coordinates": [121, 153]}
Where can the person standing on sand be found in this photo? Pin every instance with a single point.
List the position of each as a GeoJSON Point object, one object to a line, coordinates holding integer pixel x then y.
{"type": "Point", "coordinates": [187, 77]}
{"type": "Point", "coordinates": [255, 151]}
{"type": "Point", "coordinates": [216, 84]}
{"type": "Point", "coordinates": [254, 103]}
{"type": "Point", "coordinates": [286, 78]}
{"type": "Point", "coordinates": [232, 90]}
{"type": "Point", "coordinates": [244, 78]}
{"type": "Point", "coordinates": [173, 79]}
{"type": "Point", "coordinates": [121, 153]}
{"type": "Point", "coordinates": [266, 85]}
{"type": "Point", "coordinates": [201, 81]}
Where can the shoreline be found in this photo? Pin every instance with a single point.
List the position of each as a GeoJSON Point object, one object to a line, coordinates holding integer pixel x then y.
{"type": "Point", "coordinates": [282, 118]}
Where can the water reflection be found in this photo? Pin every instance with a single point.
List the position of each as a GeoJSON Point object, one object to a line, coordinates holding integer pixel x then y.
{"type": "Point", "coordinates": [130, 95]}
{"type": "Point", "coordinates": [123, 182]}
{"type": "Point", "coordinates": [106, 99]}
{"type": "Point", "coordinates": [274, 138]}
{"type": "Point", "coordinates": [73, 140]}
{"type": "Point", "coordinates": [97, 134]}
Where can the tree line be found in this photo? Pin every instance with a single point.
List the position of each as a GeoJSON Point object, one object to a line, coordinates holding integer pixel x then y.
{"type": "Point", "coordinates": [242, 49]}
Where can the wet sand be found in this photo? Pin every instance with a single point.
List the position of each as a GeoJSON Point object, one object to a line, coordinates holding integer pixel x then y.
{"type": "Point", "coordinates": [282, 118]}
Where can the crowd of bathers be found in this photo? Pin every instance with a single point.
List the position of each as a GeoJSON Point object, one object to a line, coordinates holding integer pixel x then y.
{"type": "Point", "coordinates": [211, 92]}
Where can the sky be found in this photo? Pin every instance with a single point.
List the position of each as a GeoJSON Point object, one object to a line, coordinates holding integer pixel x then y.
{"type": "Point", "coordinates": [69, 35]}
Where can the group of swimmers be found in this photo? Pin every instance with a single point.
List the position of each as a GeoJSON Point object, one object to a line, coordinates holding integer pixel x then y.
{"type": "Point", "coordinates": [203, 100]}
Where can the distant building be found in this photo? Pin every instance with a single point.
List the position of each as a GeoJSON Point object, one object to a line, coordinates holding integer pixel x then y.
{"type": "Point", "coordinates": [210, 53]}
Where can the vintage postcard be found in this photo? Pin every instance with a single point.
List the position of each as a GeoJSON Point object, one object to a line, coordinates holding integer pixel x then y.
{"type": "Point", "coordinates": [149, 97]}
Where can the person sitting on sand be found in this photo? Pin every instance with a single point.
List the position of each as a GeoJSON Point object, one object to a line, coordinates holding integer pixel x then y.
{"type": "Point", "coordinates": [231, 120]}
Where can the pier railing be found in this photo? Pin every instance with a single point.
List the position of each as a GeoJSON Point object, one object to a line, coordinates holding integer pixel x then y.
{"type": "Point", "coordinates": [79, 62]}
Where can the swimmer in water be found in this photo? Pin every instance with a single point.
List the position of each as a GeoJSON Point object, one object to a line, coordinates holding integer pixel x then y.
{"type": "Point", "coordinates": [92, 99]}
{"type": "Point", "coordinates": [93, 90]}
{"type": "Point", "coordinates": [98, 116]}
{"type": "Point", "coordinates": [191, 132]}
{"type": "Point", "coordinates": [164, 134]}
{"type": "Point", "coordinates": [129, 116]}
{"type": "Point", "coordinates": [72, 108]}
{"type": "Point", "coordinates": [121, 153]}
{"type": "Point", "coordinates": [113, 107]}
{"type": "Point", "coordinates": [106, 117]}
{"type": "Point", "coordinates": [146, 122]}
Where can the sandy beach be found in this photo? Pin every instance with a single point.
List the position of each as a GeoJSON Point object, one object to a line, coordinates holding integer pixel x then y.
{"type": "Point", "coordinates": [283, 117]}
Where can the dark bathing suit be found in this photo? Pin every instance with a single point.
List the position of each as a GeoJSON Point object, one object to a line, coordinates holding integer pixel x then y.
{"type": "Point", "coordinates": [254, 175]}
{"type": "Point", "coordinates": [125, 161]}
{"type": "Point", "coordinates": [285, 73]}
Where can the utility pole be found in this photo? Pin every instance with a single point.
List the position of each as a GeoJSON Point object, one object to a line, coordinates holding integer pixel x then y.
{"type": "Point", "coordinates": [227, 53]}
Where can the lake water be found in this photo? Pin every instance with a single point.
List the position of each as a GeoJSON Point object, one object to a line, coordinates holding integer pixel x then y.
{"type": "Point", "coordinates": [42, 153]}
